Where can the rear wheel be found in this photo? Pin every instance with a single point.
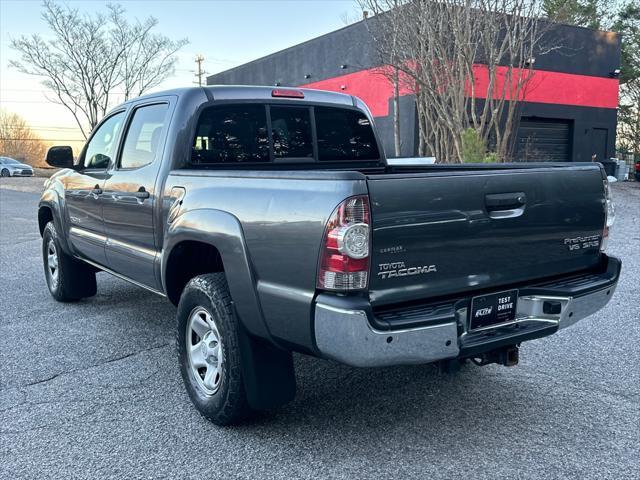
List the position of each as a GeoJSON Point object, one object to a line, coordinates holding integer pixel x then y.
{"type": "Point", "coordinates": [68, 279]}
{"type": "Point", "coordinates": [4, 173]}
{"type": "Point", "coordinates": [209, 351]}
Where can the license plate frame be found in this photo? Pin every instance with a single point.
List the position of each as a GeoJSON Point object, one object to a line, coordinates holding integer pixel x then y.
{"type": "Point", "coordinates": [492, 310]}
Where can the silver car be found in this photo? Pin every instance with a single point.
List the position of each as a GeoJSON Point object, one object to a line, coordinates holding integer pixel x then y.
{"type": "Point", "coordinates": [13, 168]}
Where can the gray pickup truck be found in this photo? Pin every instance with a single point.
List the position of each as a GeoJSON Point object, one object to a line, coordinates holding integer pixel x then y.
{"type": "Point", "coordinates": [271, 218]}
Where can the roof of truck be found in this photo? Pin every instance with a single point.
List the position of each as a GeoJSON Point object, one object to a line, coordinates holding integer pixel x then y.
{"type": "Point", "coordinates": [251, 92]}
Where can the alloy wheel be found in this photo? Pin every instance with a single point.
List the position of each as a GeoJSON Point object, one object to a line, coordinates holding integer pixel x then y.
{"type": "Point", "coordinates": [204, 350]}
{"type": "Point", "coordinates": [52, 263]}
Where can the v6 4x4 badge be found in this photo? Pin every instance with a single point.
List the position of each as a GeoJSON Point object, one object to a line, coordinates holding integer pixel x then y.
{"type": "Point", "coordinates": [399, 269]}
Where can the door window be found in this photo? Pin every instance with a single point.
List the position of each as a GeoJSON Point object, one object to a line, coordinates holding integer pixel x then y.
{"type": "Point", "coordinates": [104, 143]}
{"type": "Point", "coordinates": [144, 135]}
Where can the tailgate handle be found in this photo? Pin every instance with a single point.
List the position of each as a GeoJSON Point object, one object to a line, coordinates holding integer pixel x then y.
{"type": "Point", "coordinates": [505, 205]}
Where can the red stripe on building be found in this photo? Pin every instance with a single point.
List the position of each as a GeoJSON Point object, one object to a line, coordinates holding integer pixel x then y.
{"type": "Point", "coordinates": [544, 87]}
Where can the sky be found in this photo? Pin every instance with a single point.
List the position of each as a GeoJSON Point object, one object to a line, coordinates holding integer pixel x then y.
{"type": "Point", "coordinates": [227, 33]}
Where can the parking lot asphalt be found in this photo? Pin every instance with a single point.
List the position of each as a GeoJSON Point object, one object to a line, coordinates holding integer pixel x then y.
{"type": "Point", "coordinates": [92, 390]}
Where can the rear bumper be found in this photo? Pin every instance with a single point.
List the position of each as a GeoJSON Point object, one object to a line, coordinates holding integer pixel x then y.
{"type": "Point", "coordinates": [347, 330]}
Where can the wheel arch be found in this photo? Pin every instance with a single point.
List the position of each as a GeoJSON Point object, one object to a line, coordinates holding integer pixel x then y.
{"type": "Point", "coordinates": [186, 260]}
{"type": "Point", "coordinates": [49, 210]}
{"type": "Point", "coordinates": [45, 215]}
{"type": "Point", "coordinates": [213, 239]}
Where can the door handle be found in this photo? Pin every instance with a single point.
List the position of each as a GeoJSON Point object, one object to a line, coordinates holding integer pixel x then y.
{"type": "Point", "coordinates": [96, 190]}
{"type": "Point", "coordinates": [505, 205]}
{"type": "Point", "coordinates": [142, 193]}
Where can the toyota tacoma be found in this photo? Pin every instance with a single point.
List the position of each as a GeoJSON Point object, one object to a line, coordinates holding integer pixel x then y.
{"type": "Point", "coordinates": [272, 220]}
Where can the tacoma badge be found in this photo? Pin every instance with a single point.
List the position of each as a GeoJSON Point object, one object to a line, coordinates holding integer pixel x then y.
{"type": "Point", "coordinates": [398, 269]}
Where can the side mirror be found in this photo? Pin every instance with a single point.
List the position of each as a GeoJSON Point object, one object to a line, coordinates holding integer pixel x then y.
{"type": "Point", "coordinates": [60, 157]}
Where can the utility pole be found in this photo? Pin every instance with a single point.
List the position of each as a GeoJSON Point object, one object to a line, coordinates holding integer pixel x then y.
{"type": "Point", "coordinates": [201, 72]}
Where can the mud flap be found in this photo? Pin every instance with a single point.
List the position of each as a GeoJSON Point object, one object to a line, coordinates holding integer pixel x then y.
{"type": "Point", "coordinates": [269, 377]}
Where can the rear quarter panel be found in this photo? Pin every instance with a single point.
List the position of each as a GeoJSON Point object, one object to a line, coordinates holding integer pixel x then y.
{"type": "Point", "coordinates": [282, 216]}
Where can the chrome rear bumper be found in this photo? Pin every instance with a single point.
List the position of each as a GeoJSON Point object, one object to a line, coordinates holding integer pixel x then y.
{"type": "Point", "coordinates": [347, 335]}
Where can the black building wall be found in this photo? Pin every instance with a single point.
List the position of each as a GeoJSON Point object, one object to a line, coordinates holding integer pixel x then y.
{"type": "Point", "coordinates": [587, 54]}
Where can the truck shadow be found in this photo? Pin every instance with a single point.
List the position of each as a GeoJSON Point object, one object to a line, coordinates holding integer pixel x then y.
{"type": "Point", "coordinates": [339, 404]}
{"type": "Point", "coordinates": [342, 403]}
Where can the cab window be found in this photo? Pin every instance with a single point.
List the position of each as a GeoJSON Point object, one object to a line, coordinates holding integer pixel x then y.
{"type": "Point", "coordinates": [344, 135]}
{"type": "Point", "coordinates": [232, 134]}
{"type": "Point", "coordinates": [291, 132]}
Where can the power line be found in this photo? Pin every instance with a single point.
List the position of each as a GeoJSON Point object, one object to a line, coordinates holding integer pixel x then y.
{"type": "Point", "coordinates": [43, 139]}
{"type": "Point", "coordinates": [44, 90]}
{"type": "Point", "coordinates": [27, 101]}
{"type": "Point", "coordinates": [42, 127]}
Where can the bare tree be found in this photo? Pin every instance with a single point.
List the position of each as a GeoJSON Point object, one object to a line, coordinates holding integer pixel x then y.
{"type": "Point", "coordinates": [470, 62]}
{"type": "Point", "coordinates": [89, 59]}
{"type": "Point", "coordinates": [19, 141]}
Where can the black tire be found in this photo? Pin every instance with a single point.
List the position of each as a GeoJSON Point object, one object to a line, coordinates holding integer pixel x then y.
{"type": "Point", "coordinates": [228, 403]}
{"type": "Point", "coordinates": [71, 279]}
{"type": "Point", "coordinates": [4, 173]}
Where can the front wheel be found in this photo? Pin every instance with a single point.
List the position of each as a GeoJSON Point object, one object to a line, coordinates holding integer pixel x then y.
{"type": "Point", "coordinates": [68, 279]}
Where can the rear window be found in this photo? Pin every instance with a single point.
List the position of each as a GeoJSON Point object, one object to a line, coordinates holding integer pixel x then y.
{"type": "Point", "coordinates": [344, 135]}
{"type": "Point", "coordinates": [232, 134]}
{"type": "Point", "coordinates": [291, 131]}
{"type": "Point", "coordinates": [236, 134]}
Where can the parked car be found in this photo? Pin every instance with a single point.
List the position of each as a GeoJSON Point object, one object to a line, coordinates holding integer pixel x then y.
{"type": "Point", "coordinates": [13, 168]}
{"type": "Point", "coordinates": [273, 222]}
{"type": "Point", "coordinates": [637, 171]}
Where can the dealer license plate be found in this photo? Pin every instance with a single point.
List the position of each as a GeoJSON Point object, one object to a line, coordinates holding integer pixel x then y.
{"type": "Point", "coordinates": [493, 309]}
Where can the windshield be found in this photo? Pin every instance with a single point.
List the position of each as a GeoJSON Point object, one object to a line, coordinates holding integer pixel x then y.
{"type": "Point", "coordinates": [9, 161]}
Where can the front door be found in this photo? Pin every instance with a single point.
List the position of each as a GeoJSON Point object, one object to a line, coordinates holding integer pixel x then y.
{"type": "Point", "coordinates": [130, 196]}
{"type": "Point", "coordinates": [83, 190]}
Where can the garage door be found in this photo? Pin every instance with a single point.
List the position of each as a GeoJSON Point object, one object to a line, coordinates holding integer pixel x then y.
{"type": "Point", "coordinates": [543, 139]}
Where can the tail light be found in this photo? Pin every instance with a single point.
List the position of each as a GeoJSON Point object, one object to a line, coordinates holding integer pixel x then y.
{"type": "Point", "coordinates": [609, 215]}
{"type": "Point", "coordinates": [344, 259]}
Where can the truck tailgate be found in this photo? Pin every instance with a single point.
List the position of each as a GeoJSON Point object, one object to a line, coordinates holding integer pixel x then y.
{"type": "Point", "coordinates": [443, 233]}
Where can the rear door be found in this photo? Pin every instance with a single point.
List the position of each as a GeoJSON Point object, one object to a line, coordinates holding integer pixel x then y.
{"type": "Point", "coordinates": [440, 234]}
{"type": "Point", "coordinates": [130, 195]}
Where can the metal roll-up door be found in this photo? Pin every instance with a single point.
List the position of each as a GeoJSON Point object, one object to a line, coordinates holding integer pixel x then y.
{"type": "Point", "coordinates": [543, 139]}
